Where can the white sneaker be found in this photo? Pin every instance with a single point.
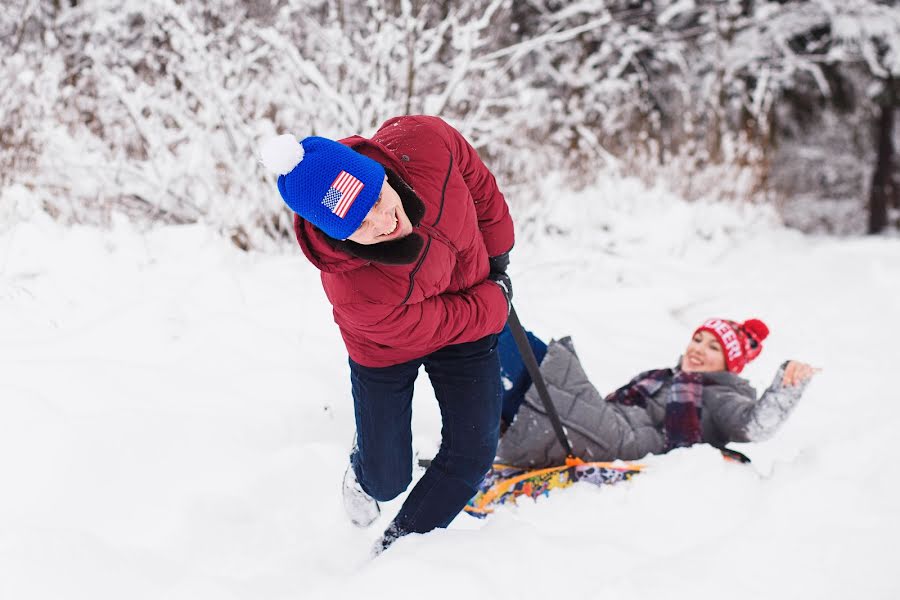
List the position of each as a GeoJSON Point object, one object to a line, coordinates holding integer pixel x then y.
{"type": "Point", "coordinates": [362, 508]}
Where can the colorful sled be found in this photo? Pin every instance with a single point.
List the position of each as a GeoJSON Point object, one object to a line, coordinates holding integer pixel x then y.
{"type": "Point", "coordinates": [503, 484]}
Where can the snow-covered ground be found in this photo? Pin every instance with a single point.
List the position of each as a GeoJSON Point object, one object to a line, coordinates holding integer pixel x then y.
{"type": "Point", "coordinates": [175, 418]}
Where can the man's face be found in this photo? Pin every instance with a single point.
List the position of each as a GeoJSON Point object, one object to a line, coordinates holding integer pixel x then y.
{"type": "Point", "coordinates": [386, 220]}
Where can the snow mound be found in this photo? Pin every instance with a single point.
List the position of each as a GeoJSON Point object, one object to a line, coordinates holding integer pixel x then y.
{"type": "Point", "coordinates": [175, 418]}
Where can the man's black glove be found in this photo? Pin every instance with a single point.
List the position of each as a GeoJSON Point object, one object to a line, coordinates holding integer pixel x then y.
{"type": "Point", "coordinates": [499, 263]}
{"type": "Point", "coordinates": [498, 275]}
{"type": "Point", "coordinates": [502, 280]}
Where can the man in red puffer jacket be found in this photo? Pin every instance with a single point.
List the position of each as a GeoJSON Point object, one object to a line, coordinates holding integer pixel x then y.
{"type": "Point", "coordinates": [412, 238]}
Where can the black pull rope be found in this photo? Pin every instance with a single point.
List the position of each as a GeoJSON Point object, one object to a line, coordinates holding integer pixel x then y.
{"type": "Point", "coordinates": [532, 365]}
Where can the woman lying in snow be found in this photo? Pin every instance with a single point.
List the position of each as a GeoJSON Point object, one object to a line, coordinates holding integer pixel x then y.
{"type": "Point", "coordinates": [701, 400]}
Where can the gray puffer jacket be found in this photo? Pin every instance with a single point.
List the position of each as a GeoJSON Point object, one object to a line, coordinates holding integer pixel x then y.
{"type": "Point", "coordinates": [600, 431]}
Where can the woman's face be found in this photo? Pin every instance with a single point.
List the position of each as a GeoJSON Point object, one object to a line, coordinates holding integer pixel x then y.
{"type": "Point", "coordinates": [703, 354]}
{"type": "Point", "coordinates": [386, 220]}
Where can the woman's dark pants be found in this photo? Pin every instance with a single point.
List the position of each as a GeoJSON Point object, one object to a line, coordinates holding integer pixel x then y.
{"type": "Point", "coordinates": [466, 382]}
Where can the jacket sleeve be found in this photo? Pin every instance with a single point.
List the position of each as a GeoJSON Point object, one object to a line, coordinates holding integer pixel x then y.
{"type": "Point", "coordinates": [740, 419]}
{"type": "Point", "coordinates": [450, 318]}
{"type": "Point", "coordinates": [773, 409]}
{"type": "Point", "coordinates": [494, 220]}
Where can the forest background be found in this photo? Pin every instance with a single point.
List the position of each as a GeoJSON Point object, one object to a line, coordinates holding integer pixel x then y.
{"type": "Point", "coordinates": [155, 109]}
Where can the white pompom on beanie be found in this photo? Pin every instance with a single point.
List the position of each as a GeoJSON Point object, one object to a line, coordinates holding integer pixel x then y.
{"type": "Point", "coordinates": [281, 154]}
{"type": "Point", "coordinates": [325, 182]}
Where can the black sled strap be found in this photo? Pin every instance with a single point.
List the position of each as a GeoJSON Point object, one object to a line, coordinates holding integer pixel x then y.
{"type": "Point", "coordinates": [534, 370]}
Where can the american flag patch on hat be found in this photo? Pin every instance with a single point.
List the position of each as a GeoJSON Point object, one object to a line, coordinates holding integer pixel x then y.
{"type": "Point", "coordinates": [342, 193]}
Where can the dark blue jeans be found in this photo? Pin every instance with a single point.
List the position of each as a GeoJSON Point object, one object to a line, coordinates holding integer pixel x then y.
{"type": "Point", "coordinates": [466, 382]}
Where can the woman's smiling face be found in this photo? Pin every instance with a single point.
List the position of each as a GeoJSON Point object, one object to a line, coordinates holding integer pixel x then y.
{"type": "Point", "coordinates": [703, 354]}
{"type": "Point", "coordinates": [386, 220]}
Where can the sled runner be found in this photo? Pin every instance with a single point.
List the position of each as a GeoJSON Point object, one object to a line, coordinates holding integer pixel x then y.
{"type": "Point", "coordinates": [503, 485]}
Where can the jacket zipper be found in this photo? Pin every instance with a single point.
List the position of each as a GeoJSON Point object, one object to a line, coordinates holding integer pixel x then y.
{"type": "Point", "coordinates": [444, 192]}
{"type": "Point", "coordinates": [432, 234]}
{"type": "Point", "coordinates": [412, 274]}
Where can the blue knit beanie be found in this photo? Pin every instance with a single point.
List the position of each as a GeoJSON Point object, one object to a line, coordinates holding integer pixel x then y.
{"type": "Point", "coordinates": [325, 182]}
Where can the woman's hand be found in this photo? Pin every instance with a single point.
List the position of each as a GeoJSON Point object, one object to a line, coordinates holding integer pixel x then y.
{"type": "Point", "coordinates": [797, 372]}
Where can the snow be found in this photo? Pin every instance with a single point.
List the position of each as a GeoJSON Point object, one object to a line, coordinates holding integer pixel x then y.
{"type": "Point", "coordinates": [176, 417]}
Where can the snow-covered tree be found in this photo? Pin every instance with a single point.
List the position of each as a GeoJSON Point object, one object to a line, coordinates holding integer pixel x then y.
{"type": "Point", "coordinates": [156, 109]}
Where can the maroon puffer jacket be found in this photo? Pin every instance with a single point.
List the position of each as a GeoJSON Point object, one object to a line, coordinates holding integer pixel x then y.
{"type": "Point", "coordinates": [389, 314]}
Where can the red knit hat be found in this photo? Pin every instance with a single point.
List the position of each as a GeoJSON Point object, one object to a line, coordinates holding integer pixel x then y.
{"type": "Point", "coordinates": [740, 343]}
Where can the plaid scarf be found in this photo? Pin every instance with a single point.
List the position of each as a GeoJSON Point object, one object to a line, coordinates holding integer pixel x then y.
{"type": "Point", "coordinates": [684, 404]}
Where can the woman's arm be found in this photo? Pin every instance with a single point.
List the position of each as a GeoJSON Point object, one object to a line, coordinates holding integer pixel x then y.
{"type": "Point", "coordinates": [778, 401]}
{"type": "Point", "coordinates": [741, 418]}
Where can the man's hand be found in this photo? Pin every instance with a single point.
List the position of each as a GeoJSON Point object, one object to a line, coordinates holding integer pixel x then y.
{"type": "Point", "coordinates": [502, 280]}
{"type": "Point", "coordinates": [797, 372]}
{"type": "Point", "coordinates": [499, 263]}
{"type": "Point", "coordinates": [498, 275]}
